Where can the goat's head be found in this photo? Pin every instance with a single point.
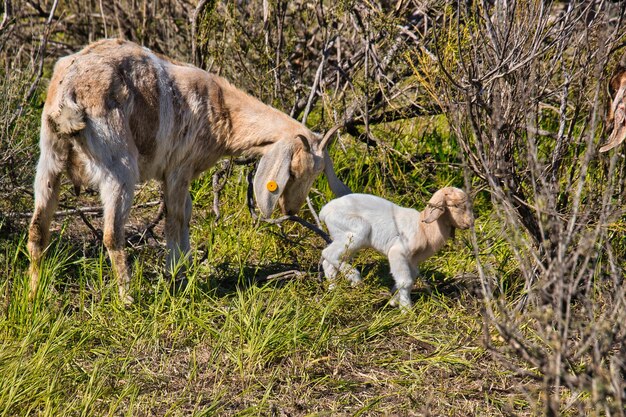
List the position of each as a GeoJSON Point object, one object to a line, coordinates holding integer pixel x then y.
{"type": "Point", "coordinates": [452, 203]}
{"type": "Point", "coordinates": [287, 170]}
{"type": "Point", "coordinates": [617, 111]}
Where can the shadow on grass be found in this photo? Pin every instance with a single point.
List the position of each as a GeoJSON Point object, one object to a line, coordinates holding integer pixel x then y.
{"type": "Point", "coordinates": [227, 277]}
{"type": "Point", "coordinates": [429, 282]}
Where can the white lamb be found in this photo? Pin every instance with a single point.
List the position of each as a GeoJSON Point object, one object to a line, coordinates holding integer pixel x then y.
{"type": "Point", "coordinates": [406, 236]}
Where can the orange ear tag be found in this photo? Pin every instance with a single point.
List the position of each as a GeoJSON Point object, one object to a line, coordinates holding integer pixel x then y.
{"type": "Point", "coordinates": [272, 186]}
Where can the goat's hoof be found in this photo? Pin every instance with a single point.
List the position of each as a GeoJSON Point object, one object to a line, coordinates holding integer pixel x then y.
{"type": "Point", "coordinates": [126, 298]}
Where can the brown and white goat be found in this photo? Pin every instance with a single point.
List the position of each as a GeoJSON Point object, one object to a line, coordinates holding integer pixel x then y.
{"type": "Point", "coordinates": [117, 114]}
{"type": "Point", "coordinates": [617, 109]}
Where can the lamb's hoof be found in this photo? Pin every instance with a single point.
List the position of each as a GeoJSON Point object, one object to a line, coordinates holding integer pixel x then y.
{"type": "Point", "coordinates": [405, 308]}
{"type": "Point", "coordinates": [402, 304]}
{"type": "Point", "coordinates": [179, 285]}
{"type": "Point", "coordinates": [356, 282]}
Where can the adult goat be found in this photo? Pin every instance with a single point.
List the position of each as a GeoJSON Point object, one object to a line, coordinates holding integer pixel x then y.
{"type": "Point", "coordinates": [117, 114]}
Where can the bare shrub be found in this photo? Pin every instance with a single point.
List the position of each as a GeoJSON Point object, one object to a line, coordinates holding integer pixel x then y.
{"type": "Point", "coordinates": [522, 85]}
{"type": "Point", "coordinates": [344, 58]}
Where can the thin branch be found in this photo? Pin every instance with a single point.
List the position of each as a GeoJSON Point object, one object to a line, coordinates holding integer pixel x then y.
{"type": "Point", "coordinates": [194, 28]}
{"type": "Point", "coordinates": [81, 210]}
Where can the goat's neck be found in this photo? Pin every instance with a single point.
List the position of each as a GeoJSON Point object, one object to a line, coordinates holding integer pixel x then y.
{"type": "Point", "coordinates": [254, 125]}
{"type": "Point", "coordinates": [436, 233]}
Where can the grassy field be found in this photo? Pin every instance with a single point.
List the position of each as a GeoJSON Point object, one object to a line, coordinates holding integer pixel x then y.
{"type": "Point", "coordinates": [522, 315]}
{"type": "Point", "coordinates": [249, 337]}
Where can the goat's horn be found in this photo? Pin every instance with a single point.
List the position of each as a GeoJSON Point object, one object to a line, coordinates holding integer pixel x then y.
{"type": "Point", "coordinates": [329, 134]}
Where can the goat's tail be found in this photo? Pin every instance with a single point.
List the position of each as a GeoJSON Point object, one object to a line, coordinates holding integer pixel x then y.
{"type": "Point", "coordinates": [64, 117]}
{"type": "Point", "coordinates": [67, 117]}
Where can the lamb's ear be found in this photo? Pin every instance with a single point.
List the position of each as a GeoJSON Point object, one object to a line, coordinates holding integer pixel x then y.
{"type": "Point", "coordinates": [272, 175]}
{"type": "Point", "coordinates": [435, 208]}
{"type": "Point", "coordinates": [432, 213]}
{"type": "Point", "coordinates": [336, 185]}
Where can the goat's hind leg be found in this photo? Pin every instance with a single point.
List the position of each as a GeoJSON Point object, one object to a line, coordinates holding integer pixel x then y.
{"type": "Point", "coordinates": [117, 196]}
{"type": "Point", "coordinates": [46, 188]}
{"type": "Point", "coordinates": [117, 175]}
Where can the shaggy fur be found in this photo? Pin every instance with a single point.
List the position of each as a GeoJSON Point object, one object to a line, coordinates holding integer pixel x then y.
{"type": "Point", "coordinates": [406, 236]}
{"type": "Point", "coordinates": [117, 114]}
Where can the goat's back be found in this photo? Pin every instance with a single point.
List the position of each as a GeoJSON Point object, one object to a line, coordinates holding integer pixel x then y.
{"type": "Point", "coordinates": [365, 205]}
{"type": "Point", "coordinates": [169, 112]}
{"type": "Point", "coordinates": [386, 221]}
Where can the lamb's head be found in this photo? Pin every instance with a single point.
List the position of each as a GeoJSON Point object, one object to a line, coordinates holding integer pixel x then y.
{"type": "Point", "coordinates": [288, 169]}
{"type": "Point", "coordinates": [452, 205]}
{"type": "Point", "coordinates": [616, 116]}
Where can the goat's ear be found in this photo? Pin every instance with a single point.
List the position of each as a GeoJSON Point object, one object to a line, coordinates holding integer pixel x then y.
{"type": "Point", "coordinates": [619, 121]}
{"type": "Point", "coordinates": [336, 185]}
{"type": "Point", "coordinates": [435, 208]}
{"type": "Point", "coordinates": [432, 213]}
{"type": "Point", "coordinates": [272, 175]}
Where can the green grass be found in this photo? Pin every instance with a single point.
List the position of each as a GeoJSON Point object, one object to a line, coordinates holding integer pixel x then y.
{"type": "Point", "coordinates": [238, 343]}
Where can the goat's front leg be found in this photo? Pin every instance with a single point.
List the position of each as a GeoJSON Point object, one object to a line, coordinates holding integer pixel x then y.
{"type": "Point", "coordinates": [47, 182]}
{"type": "Point", "coordinates": [116, 193]}
{"type": "Point", "coordinates": [178, 215]}
{"type": "Point", "coordinates": [404, 276]}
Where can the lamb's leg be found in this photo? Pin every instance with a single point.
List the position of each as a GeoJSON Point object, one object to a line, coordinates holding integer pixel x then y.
{"type": "Point", "coordinates": [414, 269]}
{"type": "Point", "coordinates": [178, 209]}
{"type": "Point", "coordinates": [116, 192]}
{"type": "Point", "coordinates": [330, 272]}
{"type": "Point", "coordinates": [337, 255]}
{"type": "Point", "coordinates": [46, 187]}
{"type": "Point", "coordinates": [403, 275]}
{"type": "Point", "coordinates": [333, 262]}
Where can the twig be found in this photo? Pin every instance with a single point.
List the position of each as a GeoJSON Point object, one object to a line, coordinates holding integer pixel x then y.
{"type": "Point", "coordinates": [150, 226]}
{"type": "Point", "coordinates": [7, 14]}
{"type": "Point", "coordinates": [42, 51]}
{"type": "Point", "coordinates": [223, 171]}
{"type": "Point", "coordinates": [313, 212]}
{"type": "Point", "coordinates": [316, 81]}
{"type": "Point", "coordinates": [41, 54]}
{"type": "Point", "coordinates": [194, 27]}
{"type": "Point", "coordinates": [97, 233]}
{"type": "Point", "coordinates": [286, 274]}
{"type": "Point", "coordinates": [303, 222]}
{"type": "Point", "coordinates": [104, 20]}
{"type": "Point", "coordinates": [79, 210]}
